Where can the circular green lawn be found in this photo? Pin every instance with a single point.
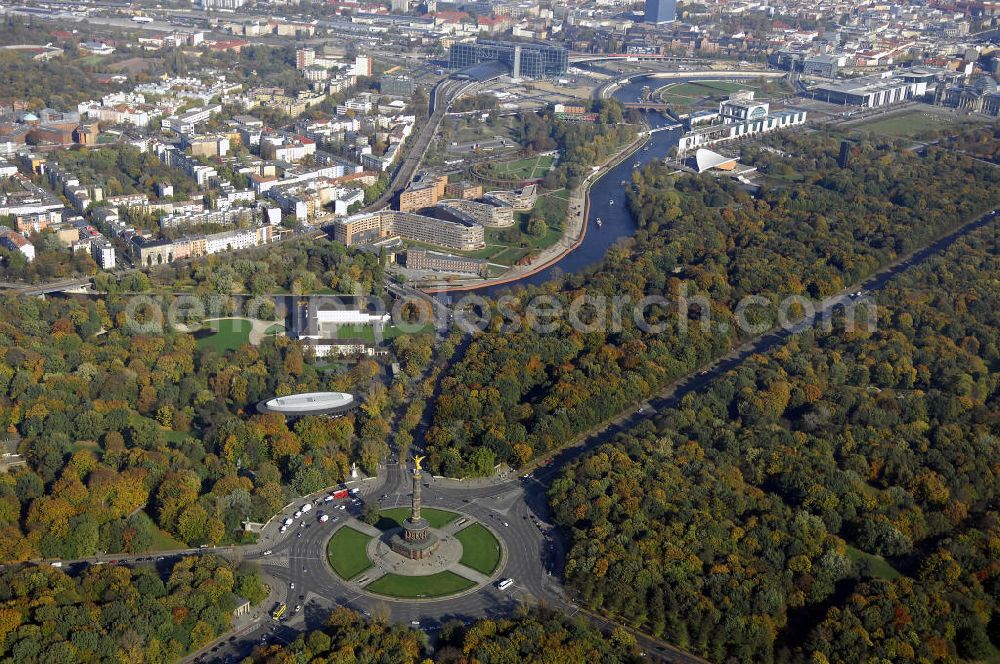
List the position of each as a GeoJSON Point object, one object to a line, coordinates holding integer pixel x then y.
{"type": "Point", "coordinates": [480, 548]}
{"type": "Point", "coordinates": [347, 552]}
{"type": "Point", "coordinates": [415, 587]}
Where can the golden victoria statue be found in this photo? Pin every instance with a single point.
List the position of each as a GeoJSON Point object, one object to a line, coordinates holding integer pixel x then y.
{"type": "Point", "coordinates": [417, 460]}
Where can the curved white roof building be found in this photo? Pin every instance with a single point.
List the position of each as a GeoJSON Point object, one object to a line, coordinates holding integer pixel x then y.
{"type": "Point", "coordinates": [309, 403]}
{"type": "Point", "coordinates": [707, 159]}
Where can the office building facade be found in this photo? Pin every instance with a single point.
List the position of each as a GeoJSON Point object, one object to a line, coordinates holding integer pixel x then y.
{"type": "Point", "coordinates": [526, 60]}
{"type": "Point", "coordinates": [661, 11]}
{"type": "Point", "coordinates": [451, 233]}
{"type": "Point", "coordinates": [870, 91]}
{"type": "Point", "coordinates": [421, 259]}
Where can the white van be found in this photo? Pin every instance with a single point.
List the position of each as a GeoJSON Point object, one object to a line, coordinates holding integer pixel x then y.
{"type": "Point", "coordinates": [505, 584]}
{"type": "Point", "coordinates": [306, 507]}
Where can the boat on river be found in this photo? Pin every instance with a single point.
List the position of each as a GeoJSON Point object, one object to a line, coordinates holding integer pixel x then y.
{"type": "Point", "coordinates": [599, 222]}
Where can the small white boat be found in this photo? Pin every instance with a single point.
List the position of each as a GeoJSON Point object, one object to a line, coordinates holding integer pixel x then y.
{"type": "Point", "coordinates": [599, 222]}
{"type": "Point", "coordinates": [611, 202]}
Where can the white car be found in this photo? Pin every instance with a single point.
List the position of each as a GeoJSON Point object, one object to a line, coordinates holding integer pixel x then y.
{"type": "Point", "coordinates": [306, 507]}
{"type": "Point", "coordinates": [297, 514]}
{"type": "Point", "coordinates": [505, 584]}
{"type": "Point", "coordinates": [283, 529]}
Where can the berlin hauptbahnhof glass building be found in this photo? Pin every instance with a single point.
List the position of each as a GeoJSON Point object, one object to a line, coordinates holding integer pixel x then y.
{"type": "Point", "coordinates": [526, 60]}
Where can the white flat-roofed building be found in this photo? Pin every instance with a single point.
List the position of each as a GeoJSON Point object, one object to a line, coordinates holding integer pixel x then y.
{"type": "Point", "coordinates": [870, 91]}
{"type": "Point", "coordinates": [185, 123]}
{"type": "Point", "coordinates": [309, 403]}
{"type": "Point", "coordinates": [103, 253]}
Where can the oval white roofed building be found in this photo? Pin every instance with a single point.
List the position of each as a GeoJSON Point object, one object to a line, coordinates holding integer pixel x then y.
{"type": "Point", "coordinates": [707, 159]}
{"type": "Point", "coordinates": [309, 403]}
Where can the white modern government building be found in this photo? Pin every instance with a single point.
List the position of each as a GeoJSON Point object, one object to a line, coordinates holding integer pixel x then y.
{"type": "Point", "coordinates": [739, 117]}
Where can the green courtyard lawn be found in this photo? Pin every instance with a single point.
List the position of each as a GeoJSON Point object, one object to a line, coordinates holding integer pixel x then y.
{"type": "Point", "coordinates": [224, 335]}
{"type": "Point", "coordinates": [357, 331]}
{"type": "Point", "coordinates": [432, 585]}
{"type": "Point", "coordinates": [394, 517]}
{"type": "Point", "coordinates": [348, 553]}
{"type": "Point", "coordinates": [480, 549]}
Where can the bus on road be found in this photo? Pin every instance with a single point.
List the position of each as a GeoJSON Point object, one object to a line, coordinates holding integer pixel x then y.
{"type": "Point", "coordinates": [279, 611]}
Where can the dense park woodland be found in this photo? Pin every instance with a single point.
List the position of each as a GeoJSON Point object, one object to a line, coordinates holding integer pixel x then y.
{"type": "Point", "coordinates": [129, 432]}
{"type": "Point", "coordinates": [834, 501]}
{"type": "Point", "coordinates": [812, 230]}
{"type": "Point", "coordinates": [538, 637]}
{"type": "Point", "coordinates": [119, 614]}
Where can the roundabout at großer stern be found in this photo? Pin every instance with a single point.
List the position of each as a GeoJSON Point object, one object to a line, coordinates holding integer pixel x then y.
{"type": "Point", "coordinates": [467, 540]}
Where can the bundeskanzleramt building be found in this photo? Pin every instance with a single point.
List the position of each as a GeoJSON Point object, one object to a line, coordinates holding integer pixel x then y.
{"type": "Point", "coordinates": [453, 233]}
{"type": "Point", "coordinates": [740, 118]}
{"type": "Point", "coordinates": [525, 60]}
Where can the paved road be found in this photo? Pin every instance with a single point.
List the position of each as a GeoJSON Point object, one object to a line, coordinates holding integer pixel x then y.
{"type": "Point", "coordinates": [441, 97]}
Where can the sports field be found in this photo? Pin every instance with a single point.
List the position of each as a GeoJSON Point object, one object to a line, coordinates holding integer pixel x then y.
{"type": "Point", "coordinates": [480, 549]}
{"type": "Point", "coordinates": [432, 585]}
{"type": "Point", "coordinates": [348, 552]}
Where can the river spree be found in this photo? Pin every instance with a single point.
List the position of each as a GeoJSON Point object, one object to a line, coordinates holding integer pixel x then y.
{"type": "Point", "coordinates": [607, 200]}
